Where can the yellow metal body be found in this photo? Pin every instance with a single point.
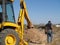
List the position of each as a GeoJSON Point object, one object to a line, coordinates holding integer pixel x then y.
{"type": "Point", "coordinates": [23, 14]}
{"type": "Point", "coordinates": [19, 26]}
{"type": "Point", "coordinates": [22, 2]}
{"type": "Point", "coordinates": [10, 40]}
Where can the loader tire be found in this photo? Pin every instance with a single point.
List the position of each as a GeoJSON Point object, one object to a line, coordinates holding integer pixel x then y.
{"type": "Point", "coordinates": [9, 37]}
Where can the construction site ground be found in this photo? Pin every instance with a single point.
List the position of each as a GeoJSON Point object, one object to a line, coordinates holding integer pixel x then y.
{"type": "Point", "coordinates": [38, 37]}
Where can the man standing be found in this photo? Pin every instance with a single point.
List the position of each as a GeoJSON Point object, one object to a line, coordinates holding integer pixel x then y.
{"type": "Point", "coordinates": [48, 31]}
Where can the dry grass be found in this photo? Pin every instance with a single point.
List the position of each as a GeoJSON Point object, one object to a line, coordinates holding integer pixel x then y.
{"type": "Point", "coordinates": [56, 36]}
{"type": "Point", "coordinates": [31, 33]}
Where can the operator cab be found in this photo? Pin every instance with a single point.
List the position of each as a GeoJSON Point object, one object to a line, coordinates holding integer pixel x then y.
{"type": "Point", "coordinates": [6, 11]}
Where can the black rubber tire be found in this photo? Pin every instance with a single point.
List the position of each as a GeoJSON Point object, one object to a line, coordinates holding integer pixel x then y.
{"type": "Point", "coordinates": [7, 32]}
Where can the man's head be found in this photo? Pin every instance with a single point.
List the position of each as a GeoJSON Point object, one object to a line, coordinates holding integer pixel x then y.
{"type": "Point", "coordinates": [49, 21]}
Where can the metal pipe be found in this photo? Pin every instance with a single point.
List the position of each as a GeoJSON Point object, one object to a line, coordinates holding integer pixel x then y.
{"type": "Point", "coordinates": [3, 9]}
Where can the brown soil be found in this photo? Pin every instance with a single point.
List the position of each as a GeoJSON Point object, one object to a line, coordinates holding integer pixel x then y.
{"type": "Point", "coordinates": [35, 36]}
{"type": "Point", "coordinates": [38, 36]}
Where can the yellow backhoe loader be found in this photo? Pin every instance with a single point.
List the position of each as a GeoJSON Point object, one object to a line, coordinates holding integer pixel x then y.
{"type": "Point", "coordinates": [11, 33]}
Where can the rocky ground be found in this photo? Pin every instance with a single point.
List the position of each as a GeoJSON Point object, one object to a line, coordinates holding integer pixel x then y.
{"type": "Point", "coordinates": [56, 36]}
{"type": "Point", "coordinates": [38, 36]}
{"type": "Point", "coordinates": [35, 37]}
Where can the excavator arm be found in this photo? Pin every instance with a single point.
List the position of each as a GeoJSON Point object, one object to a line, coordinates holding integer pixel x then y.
{"type": "Point", "coordinates": [24, 13]}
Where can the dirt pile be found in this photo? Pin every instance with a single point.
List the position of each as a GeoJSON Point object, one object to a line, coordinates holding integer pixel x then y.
{"type": "Point", "coordinates": [35, 36]}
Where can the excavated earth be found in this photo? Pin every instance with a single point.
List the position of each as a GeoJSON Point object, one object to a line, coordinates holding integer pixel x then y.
{"type": "Point", "coordinates": [38, 36]}
{"type": "Point", "coordinates": [35, 36]}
